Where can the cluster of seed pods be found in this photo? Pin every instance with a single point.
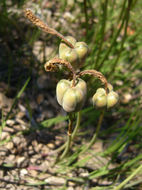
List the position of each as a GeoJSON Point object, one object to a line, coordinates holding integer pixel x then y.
{"type": "Point", "coordinates": [102, 99]}
{"type": "Point", "coordinates": [76, 56]}
{"type": "Point", "coordinates": [72, 97]}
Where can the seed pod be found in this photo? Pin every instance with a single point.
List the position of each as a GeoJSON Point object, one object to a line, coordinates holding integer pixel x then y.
{"type": "Point", "coordinates": [99, 100]}
{"type": "Point", "coordinates": [101, 91]}
{"type": "Point", "coordinates": [76, 55]}
{"type": "Point", "coordinates": [112, 99]}
{"type": "Point", "coordinates": [81, 49]}
{"type": "Point", "coordinates": [71, 98]}
{"type": "Point", "coordinates": [61, 88]}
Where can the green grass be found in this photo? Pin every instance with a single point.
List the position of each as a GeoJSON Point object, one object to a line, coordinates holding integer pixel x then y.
{"type": "Point", "coordinates": [113, 33]}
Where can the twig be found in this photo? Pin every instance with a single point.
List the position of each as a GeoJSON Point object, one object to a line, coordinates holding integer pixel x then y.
{"type": "Point", "coordinates": [39, 23]}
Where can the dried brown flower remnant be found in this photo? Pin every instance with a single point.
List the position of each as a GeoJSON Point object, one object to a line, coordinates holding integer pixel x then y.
{"type": "Point", "coordinates": [51, 65]}
{"type": "Point", "coordinates": [39, 23]}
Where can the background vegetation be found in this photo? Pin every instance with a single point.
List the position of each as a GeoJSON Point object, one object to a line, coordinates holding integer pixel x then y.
{"type": "Point", "coordinates": [31, 119]}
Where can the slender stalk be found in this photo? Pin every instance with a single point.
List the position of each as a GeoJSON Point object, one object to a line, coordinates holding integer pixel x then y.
{"type": "Point", "coordinates": [93, 140]}
{"type": "Point", "coordinates": [123, 40]}
{"type": "Point", "coordinates": [113, 41]}
{"type": "Point", "coordinates": [67, 147]}
{"type": "Point", "coordinates": [73, 134]}
{"type": "Point", "coordinates": [77, 125]}
{"type": "Point", "coordinates": [86, 15]}
{"type": "Point", "coordinates": [128, 178]}
{"type": "Point", "coordinates": [104, 19]}
{"type": "Point", "coordinates": [121, 13]}
{"type": "Point", "coordinates": [68, 144]}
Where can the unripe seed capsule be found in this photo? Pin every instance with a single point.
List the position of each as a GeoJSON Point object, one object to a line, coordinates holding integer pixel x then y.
{"type": "Point", "coordinates": [61, 88]}
{"type": "Point", "coordinates": [71, 98]}
{"type": "Point", "coordinates": [112, 99]}
{"type": "Point", "coordinates": [99, 100]}
{"type": "Point", "coordinates": [101, 91]}
{"type": "Point", "coordinates": [76, 55]}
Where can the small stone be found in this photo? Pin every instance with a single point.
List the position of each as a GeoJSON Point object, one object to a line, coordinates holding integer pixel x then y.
{"type": "Point", "coordinates": [17, 127]}
{"type": "Point", "coordinates": [70, 188]}
{"type": "Point", "coordinates": [20, 115]}
{"type": "Point", "coordinates": [45, 150]}
{"type": "Point", "coordinates": [9, 129]}
{"type": "Point", "coordinates": [10, 122]}
{"type": "Point", "coordinates": [4, 135]}
{"type": "Point", "coordinates": [17, 140]}
{"type": "Point", "coordinates": [84, 174]}
{"type": "Point", "coordinates": [7, 178]}
{"type": "Point", "coordinates": [33, 160]}
{"type": "Point", "coordinates": [33, 173]}
{"type": "Point", "coordinates": [20, 121]}
{"type": "Point", "coordinates": [51, 145]}
{"type": "Point", "coordinates": [55, 180]}
{"type": "Point", "coordinates": [1, 173]}
{"type": "Point", "coordinates": [20, 160]}
{"type": "Point", "coordinates": [45, 165]}
{"type": "Point", "coordinates": [4, 101]}
{"type": "Point", "coordinates": [70, 183]}
{"type": "Point", "coordinates": [9, 145]}
{"type": "Point", "coordinates": [23, 172]}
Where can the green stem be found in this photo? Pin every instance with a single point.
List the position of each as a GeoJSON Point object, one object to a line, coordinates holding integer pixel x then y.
{"type": "Point", "coordinates": [68, 144]}
{"type": "Point", "coordinates": [77, 125]}
{"type": "Point", "coordinates": [121, 13]}
{"type": "Point", "coordinates": [74, 132]}
{"type": "Point", "coordinates": [123, 40]}
{"type": "Point", "coordinates": [113, 42]}
{"type": "Point", "coordinates": [104, 19]}
{"type": "Point", "coordinates": [128, 178]}
{"type": "Point", "coordinates": [67, 147]}
{"type": "Point", "coordinates": [86, 15]}
{"type": "Point", "coordinates": [93, 140]}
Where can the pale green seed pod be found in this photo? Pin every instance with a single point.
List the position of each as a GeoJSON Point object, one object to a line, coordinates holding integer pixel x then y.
{"type": "Point", "coordinates": [81, 49]}
{"type": "Point", "coordinates": [81, 84]}
{"type": "Point", "coordinates": [112, 99]}
{"type": "Point", "coordinates": [63, 48]}
{"type": "Point", "coordinates": [76, 55]}
{"type": "Point", "coordinates": [99, 100]}
{"type": "Point", "coordinates": [71, 98]}
{"type": "Point", "coordinates": [101, 91]}
{"type": "Point", "coordinates": [71, 56]}
{"type": "Point", "coordinates": [61, 88]}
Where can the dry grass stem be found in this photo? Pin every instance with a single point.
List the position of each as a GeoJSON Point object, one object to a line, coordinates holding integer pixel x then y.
{"type": "Point", "coordinates": [39, 23]}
